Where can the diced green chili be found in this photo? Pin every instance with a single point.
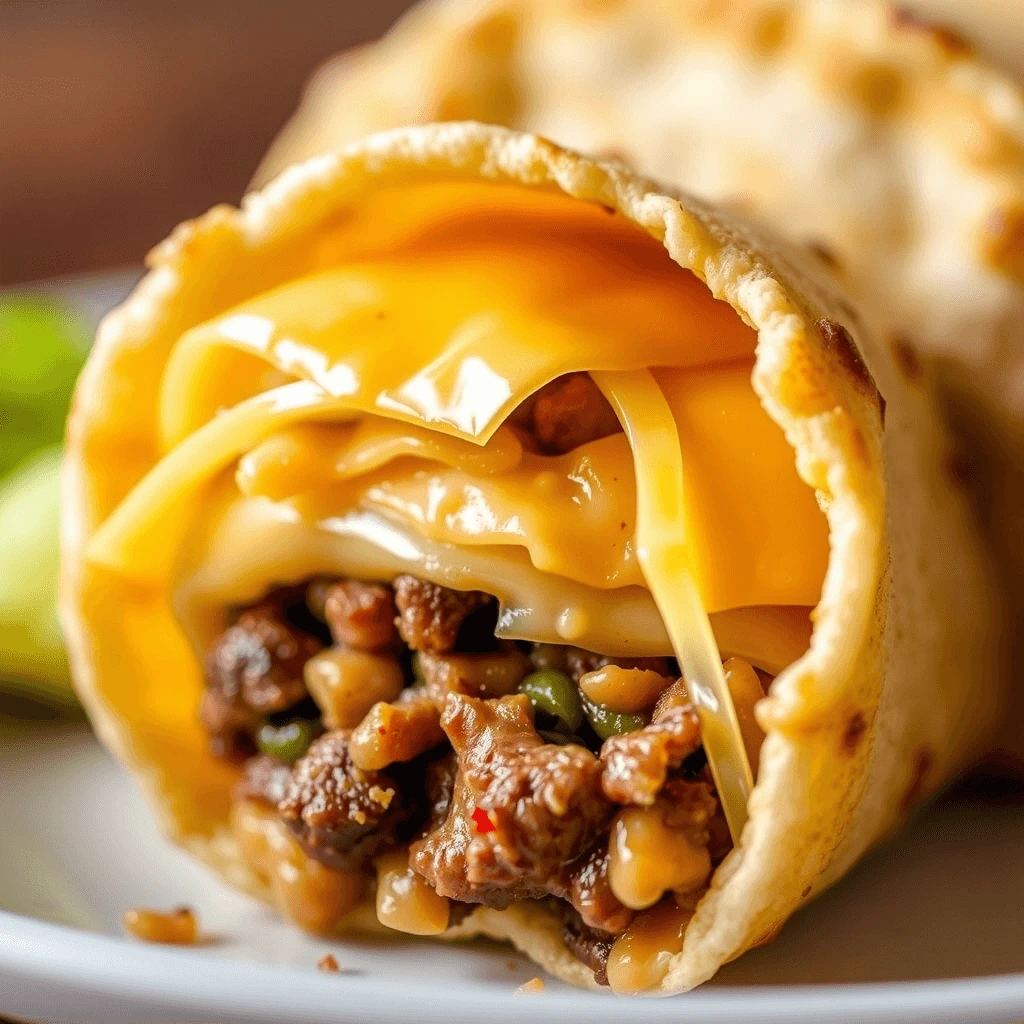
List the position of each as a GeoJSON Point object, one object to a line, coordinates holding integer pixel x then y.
{"type": "Point", "coordinates": [555, 693]}
{"type": "Point", "coordinates": [286, 742]}
{"type": "Point", "coordinates": [559, 738]}
{"type": "Point", "coordinates": [606, 722]}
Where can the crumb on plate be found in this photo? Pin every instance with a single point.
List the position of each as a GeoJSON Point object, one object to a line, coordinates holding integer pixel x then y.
{"type": "Point", "coordinates": [532, 986]}
{"type": "Point", "coordinates": [178, 927]}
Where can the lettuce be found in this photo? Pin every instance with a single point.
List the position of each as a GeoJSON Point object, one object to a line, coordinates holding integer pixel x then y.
{"type": "Point", "coordinates": [42, 348]}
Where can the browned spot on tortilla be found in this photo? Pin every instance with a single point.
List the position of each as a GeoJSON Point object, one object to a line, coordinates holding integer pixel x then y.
{"type": "Point", "coordinates": [949, 39]}
{"type": "Point", "coordinates": [877, 86]}
{"type": "Point", "coordinates": [825, 254]}
{"type": "Point", "coordinates": [769, 936]}
{"type": "Point", "coordinates": [958, 467]}
{"type": "Point", "coordinates": [806, 892]}
{"type": "Point", "coordinates": [769, 30]}
{"type": "Point", "coordinates": [907, 361]}
{"type": "Point", "coordinates": [839, 342]}
{"type": "Point", "coordinates": [854, 732]}
{"type": "Point", "coordinates": [1003, 240]}
{"type": "Point", "coordinates": [923, 760]}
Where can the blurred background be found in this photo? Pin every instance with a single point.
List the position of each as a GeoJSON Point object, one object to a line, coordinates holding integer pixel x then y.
{"type": "Point", "coordinates": [119, 120]}
{"type": "Point", "coordinates": [122, 117]}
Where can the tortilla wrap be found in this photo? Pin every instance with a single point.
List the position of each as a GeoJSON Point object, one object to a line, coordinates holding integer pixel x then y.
{"type": "Point", "coordinates": [899, 686]}
{"type": "Point", "coordinates": [878, 139]}
{"type": "Point", "coordinates": [994, 27]}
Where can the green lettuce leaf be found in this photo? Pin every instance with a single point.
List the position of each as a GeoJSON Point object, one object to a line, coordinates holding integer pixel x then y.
{"type": "Point", "coordinates": [42, 348]}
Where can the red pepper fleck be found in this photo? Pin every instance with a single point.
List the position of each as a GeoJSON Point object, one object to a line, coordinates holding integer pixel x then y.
{"type": "Point", "coordinates": [483, 821]}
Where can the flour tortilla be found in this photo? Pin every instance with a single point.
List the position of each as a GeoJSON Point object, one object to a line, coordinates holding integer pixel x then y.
{"type": "Point", "coordinates": [875, 137]}
{"type": "Point", "coordinates": [900, 685]}
{"type": "Point", "coordinates": [995, 27]}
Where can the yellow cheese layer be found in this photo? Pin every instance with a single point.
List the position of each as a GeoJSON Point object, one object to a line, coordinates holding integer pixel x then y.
{"type": "Point", "coordinates": [479, 305]}
{"type": "Point", "coordinates": [243, 542]}
{"type": "Point", "coordinates": [374, 378]}
{"type": "Point", "coordinates": [747, 513]}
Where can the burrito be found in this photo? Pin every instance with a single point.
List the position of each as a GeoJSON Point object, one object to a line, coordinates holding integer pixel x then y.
{"type": "Point", "coordinates": [855, 127]}
{"type": "Point", "coordinates": [467, 537]}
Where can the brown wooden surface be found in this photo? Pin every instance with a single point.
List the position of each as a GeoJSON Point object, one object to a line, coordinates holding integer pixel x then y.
{"type": "Point", "coordinates": [118, 119]}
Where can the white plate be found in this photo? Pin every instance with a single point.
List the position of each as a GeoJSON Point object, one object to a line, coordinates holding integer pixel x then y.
{"type": "Point", "coordinates": [78, 847]}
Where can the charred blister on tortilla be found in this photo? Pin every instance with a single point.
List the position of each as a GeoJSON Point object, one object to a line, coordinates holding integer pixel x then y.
{"type": "Point", "coordinates": [385, 727]}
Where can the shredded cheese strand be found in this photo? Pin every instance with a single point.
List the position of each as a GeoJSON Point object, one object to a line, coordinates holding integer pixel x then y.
{"type": "Point", "coordinates": [662, 552]}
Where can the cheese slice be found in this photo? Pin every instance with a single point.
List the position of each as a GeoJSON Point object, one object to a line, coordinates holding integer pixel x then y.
{"type": "Point", "coordinates": [483, 303]}
{"type": "Point", "coordinates": [664, 550]}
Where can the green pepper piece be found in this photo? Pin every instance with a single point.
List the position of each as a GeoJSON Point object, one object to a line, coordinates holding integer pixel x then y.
{"type": "Point", "coordinates": [606, 722]}
{"type": "Point", "coordinates": [555, 693]}
{"type": "Point", "coordinates": [559, 738]}
{"type": "Point", "coordinates": [285, 742]}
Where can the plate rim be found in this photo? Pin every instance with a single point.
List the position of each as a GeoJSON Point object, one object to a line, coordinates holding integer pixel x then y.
{"type": "Point", "coordinates": [97, 969]}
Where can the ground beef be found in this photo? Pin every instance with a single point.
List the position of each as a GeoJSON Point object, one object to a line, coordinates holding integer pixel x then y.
{"type": "Point", "coordinates": [430, 617]}
{"type": "Point", "coordinates": [590, 946]}
{"type": "Point", "coordinates": [719, 836]}
{"type": "Point", "coordinates": [500, 817]}
{"type": "Point", "coordinates": [494, 674]}
{"type": "Point", "coordinates": [637, 763]}
{"type": "Point", "coordinates": [591, 893]}
{"type": "Point", "coordinates": [361, 614]}
{"type": "Point", "coordinates": [341, 814]}
{"type": "Point", "coordinates": [253, 670]}
{"type": "Point", "coordinates": [440, 785]}
{"type": "Point", "coordinates": [566, 413]}
{"type": "Point", "coordinates": [522, 811]}
{"type": "Point", "coordinates": [579, 662]}
{"type": "Point", "coordinates": [263, 778]}
{"type": "Point", "coordinates": [690, 807]}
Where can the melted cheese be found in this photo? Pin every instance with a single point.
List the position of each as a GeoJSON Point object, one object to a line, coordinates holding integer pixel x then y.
{"type": "Point", "coordinates": [349, 419]}
{"type": "Point", "coordinates": [664, 550]}
{"type": "Point", "coordinates": [483, 304]}
{"type": "Point", "coordinates": [241, 543]}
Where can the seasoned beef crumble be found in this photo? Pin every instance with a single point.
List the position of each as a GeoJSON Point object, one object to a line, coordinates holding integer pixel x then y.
{"type": "Point", "coordinates": [343, 815]}
{"type": "Point", "coordinates": [591, 946]}
{"type": "Point", "coordinates": [636, 764]}
{"type": "Point", "coordinates": [567, 413]}
{"type": "Point", "coordinates": [253, 670]}
{"type": "Point", "coordinates": [500, 799]}
{"type": "Point", "coordinates": [359, 614]}
{"type": "Point", "coordinates": [543, 803]}
{"type": "Point", "coordinates": [430, 617]}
